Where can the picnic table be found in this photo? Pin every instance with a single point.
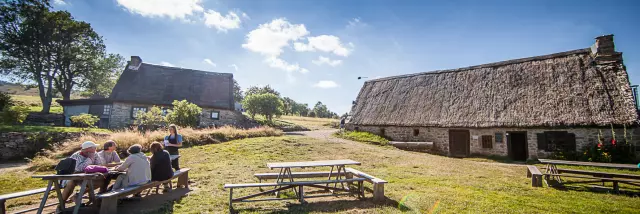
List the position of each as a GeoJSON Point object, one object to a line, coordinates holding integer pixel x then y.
{"type": "Point", "coordinates": [337, 165]}
{"type": "Point", "coordinates": [553, 173]}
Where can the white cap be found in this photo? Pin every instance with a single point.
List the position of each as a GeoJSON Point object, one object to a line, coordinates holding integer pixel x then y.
{"type": "Point", "coordinates": [89, 144]}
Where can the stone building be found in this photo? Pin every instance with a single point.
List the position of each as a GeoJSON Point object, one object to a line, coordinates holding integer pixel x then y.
{"type": "Point", "coordinates": [144, 85]}
{"type": "Point", "coordinates": [524, 108]}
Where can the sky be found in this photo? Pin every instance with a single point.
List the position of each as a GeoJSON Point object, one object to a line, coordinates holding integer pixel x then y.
{"type": "Point", "coordinates": [315, 50]}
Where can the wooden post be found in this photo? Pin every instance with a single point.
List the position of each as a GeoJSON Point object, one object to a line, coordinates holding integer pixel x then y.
{"type": "Point", "coordinates": [301, 194]}
{"type": "Point", "coordinates": [3, 210]}
{"type": "Point", "coordinates": [536, 180]}
{"type": "Point", "coordinates": [45, 197]}
{"type": "Point", "coordinates": [183, 180]}
{"type": "Point", "coordinates": [83, 187]}
{"type": "Point", "coordinates": [231, 200]}
{"type": "Point", "coordinates": [378, 192]}
{"type": "Point", "coordinates": [615, 186]}
{"type": "Point", "coordinates": [61, 205]}
{"type": "Point", "coordinates": [109, 205]}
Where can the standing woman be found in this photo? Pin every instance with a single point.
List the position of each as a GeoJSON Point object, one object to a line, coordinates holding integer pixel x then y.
{"type": "Point", "coordinates": [172, 142]}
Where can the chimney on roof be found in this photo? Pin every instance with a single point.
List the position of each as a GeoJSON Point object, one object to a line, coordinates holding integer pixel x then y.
{"type": "Point", "coordinates": [604, 50]}
{"type": "Point", "coordinates": [135, 62]}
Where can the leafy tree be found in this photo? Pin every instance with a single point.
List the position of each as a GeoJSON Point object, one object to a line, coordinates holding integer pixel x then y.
{"type": "Point", "coordinates": [301, 109]}
{"type": "Point", "coordinates": [321, 110]}
{"type": "Point", "coordinates": [14, 114]}
{"type": "Point", "coordinates": [266, 104]}
{"type": "Point", "coordinates": [288, 105]}
{"type": "Point", "coordinates": [84, 120]}
{"type": "Point", "coordinates": [184, 114]}
{"type": "Point", "coordinates": [153, 117]}
{"type": "Point", "coordinates": [261, 90]}
{"type": "Point", "coordinates": [103, 78]}
{"type": "Point", "coordinates": [237, 91]}
{"type": "Point", "coordinates": [311, 114]}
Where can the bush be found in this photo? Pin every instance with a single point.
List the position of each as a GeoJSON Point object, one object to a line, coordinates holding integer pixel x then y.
{"type": "Point", "coordinates": [153, 117]}
{"type": "Point", "coordinates": [84, 120]}
{"type": "Point", "coordinates": [5, 100]}
{"type": "Point", "coordinates": [184, 114]}
{"type": "Point", "coordinates": [362, 137]}
{"type": "Point", "coordinates": [14, 114]}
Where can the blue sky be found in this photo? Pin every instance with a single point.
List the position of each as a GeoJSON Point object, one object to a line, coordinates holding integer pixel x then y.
{"type": "Point", "coordinates": [315, 50]}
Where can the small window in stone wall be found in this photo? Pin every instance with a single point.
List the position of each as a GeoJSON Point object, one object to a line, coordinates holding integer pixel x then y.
{"type": "Point", "coordinates": [416, 132]}
{"type": "Point", "coordinates": [487, 142]}
{"type": "Point", "coordinates": [135, 110]}
{"type": "Point", "coordinates": [215, 115]}
{"type": "Point", "coordinates": [106, 110]}
{"type": "Point", "coordinates": [498, 137]}
{"type": "Point", "coordinates": [382, 131]}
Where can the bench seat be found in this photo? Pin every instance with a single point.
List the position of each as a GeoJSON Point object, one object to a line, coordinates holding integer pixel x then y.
{"type": "Point", "coordinates": [264, 176]}
{"type": "Point", "coordinates": [535, 175]}
{"type": "Point", "coordinates": [378, 184]}
{"type": "Point", "coordinates": [613, 180]}
{"type": "Point", "coordinates": [295, 183]}
{"type": "Point", "coordinates": [5, 197]}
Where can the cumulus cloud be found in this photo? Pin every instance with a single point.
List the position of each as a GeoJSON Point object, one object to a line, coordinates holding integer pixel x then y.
{"type": "Point", "coordinates": [167, 64]}
{"type": "Point", "coordinates": [224, 23]}
{"type": "Point", "coordinates": [326, 84]}
{"type": "Point", "coordinates": [59, 2]}
{"type": "Point", "coordinates": [276, 62]}
{"type": "Point", "coordinates": [325, 43]}
{"type": "Point", "coordinates": [208, 61]}
{"type": "Point", "coordinates": [325, 60]}
{"type": "Point", "coordinates": [270, 38]}
{"type": "Point", "coordinates": [234, 66]}
{"type": "Point", "coordinates": [174, 9]}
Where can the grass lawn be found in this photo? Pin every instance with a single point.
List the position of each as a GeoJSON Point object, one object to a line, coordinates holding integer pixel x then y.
{"type": "Point", "coordinates": [19, 128]}
{"type": "Point", "coordinates": [310, 122]}
{"type": "Point", "coordinates": [417, 181]}
{"type": "Point", "coordinates": [362, 137]}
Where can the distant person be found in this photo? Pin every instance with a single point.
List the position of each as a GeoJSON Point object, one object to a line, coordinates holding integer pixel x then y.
{"type": "Point", "coordinates": [160, 165]}
{"type": "Point", "coordinates": [85, 157]}
{"type": "Point", "coordinates": [172, 142]}
{"type": "Point", "coordinates": [342, 122]}
{"type": "Point", "coordinates": [137, 168]}
{"type": "Point", "coordinates": [109, 154]}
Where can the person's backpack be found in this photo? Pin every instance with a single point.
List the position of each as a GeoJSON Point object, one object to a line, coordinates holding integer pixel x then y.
{"type": "Point", "coordinates": [66, 166]}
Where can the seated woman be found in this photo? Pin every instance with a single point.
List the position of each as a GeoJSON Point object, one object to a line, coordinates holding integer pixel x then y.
{"type": "Point", "coordinates": [160, 165]}
{"type": "Point", "coordinates": [137, 168]}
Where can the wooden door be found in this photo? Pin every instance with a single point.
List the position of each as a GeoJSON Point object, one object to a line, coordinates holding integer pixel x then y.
{"type": "Point", "coordinates": [459, 143]}
{"type": "Point", "coordinates": [517, 146]}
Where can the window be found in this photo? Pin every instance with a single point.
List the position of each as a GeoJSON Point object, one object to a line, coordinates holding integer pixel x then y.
{"type": "Point", "coordinates": [215, 115]}
{"type": "Point", "coordinates": [551, 141]}
{"type": "Point", "coordinates": [165, 111]}
{"type": "Point", "coordinates": [498, 137]}
{"type": "Point", "coordinates": [487, 142]}
{"type": "Point", "coordinates": [416, 132]}
{"type": "Point", "coordinates": [106, 110]}
{"type": "Point", "coordinates": [135, 110]}
{"type": "Point", "coordinates": [382, 131]}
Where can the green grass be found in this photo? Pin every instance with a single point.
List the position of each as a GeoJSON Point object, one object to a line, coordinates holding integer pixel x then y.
{"type": "Point", "coordinates": [417, 181]}
{"type": "Point", "coordinates": [362, 137]}
{"type": "Point", "coordinates": [19, 128]}
{"type": "Point", "coordinates": [52, 110]}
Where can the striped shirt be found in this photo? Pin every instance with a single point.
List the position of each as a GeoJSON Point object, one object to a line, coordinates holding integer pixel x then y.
{"type": "Point", "coordinates": [82, 161]}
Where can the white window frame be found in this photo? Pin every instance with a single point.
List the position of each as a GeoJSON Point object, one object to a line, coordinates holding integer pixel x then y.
{"type": "Point", "coordinates": [217, 115]}
{"type": "Point", "coordinates": [135, 109]}
{"type": "Point", "coordinates": [106, 110]}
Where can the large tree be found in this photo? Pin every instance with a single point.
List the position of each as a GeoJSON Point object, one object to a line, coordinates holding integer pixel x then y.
{"type": "Point", "coordinates": [266, 104]}
{"type": "Point", "coordinates": [101, 81]}
{"type": "Point", "coordinates": [288, 105]}
{"type": "Point", "coordinates": [237, 91]}
{"type": "Point", "coordinates": [261, 90]}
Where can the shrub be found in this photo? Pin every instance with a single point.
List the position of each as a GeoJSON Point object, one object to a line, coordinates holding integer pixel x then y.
{"type": "Point", "coordinates": [184, 114]}
{"type": "Point", "coordinates": [362, 137]}
{"type": "Point", "coordinates": [5, 100]}
{"type": "Point", "coordinates": [14, 114]}
{"type": "Point", "coordinates": [153, 117]}
{"type": "Point", "coordinates": [84, 120]}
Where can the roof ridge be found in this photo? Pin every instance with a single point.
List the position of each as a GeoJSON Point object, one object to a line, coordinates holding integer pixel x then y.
{"type": "Point", "coordinates": [188, 69]}
{"type": "Point", "coordinates": [487, 65]}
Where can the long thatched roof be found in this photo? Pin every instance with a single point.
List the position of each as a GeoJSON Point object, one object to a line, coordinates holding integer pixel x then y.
{"type": "Point", "coordinates": [574, 88]}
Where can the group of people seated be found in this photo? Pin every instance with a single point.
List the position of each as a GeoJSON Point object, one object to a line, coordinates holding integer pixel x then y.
{"type": "Point", "coordinates": [139, 168]}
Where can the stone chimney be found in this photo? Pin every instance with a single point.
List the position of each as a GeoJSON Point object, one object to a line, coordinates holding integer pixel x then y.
{"type": "Point", "coordinates": [135, 63]}
{"type": "Point", "coordinates": [604, 50]}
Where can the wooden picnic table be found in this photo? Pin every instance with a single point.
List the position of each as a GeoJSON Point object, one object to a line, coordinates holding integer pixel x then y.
{"type": "Point", "coordinates": [337, 165]}
{"type": "Point", "coordinates": [552, 173]}
{"type": "Point", "coordinates": [54, 182]}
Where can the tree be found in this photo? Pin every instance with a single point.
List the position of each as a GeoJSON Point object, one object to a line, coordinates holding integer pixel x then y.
{"type": "Point", "coordinates": [153, 117]}
{"type": "Point", "coordinates": [261, 90]}
{"type": "Point", "coordinates": [321, 110]}
{"type": "Point", "coordinates": [184, 114]}
{"type": "Point", "coordinates": [288, 105]}
{"type": "Point", "coordinates": [237, 91]}
{"type": "Point", "coordinates": [311, 114]}
{"type": "Point", "coordinates": [5, 100]}
{"type": "Point", "coordinates": [26, 44]}
{"type": "Point", "coordinates": [103, 78]}
{"type": "Point", "coordinates": [302, 109]}
{"type": "Point", "coordinates": [266, 104]}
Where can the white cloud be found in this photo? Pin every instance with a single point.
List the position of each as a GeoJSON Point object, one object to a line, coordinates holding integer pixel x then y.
{"type": "Point", "coordinates": [355, 22]}
{"type": "Point", "coordinates": [245, 16]}
{"type": "Point", "coordinates": [208, 61]}
{"type": "Point", "coordinates": [276, 62]}
{"type": "Point", "coordinates": [325, 43]}
{"type": "Point", "coordinates": [222, 23]}
{"type": "Point", "coordinates": [174, 9]}
{"type": "Point", "coordinates": [59, 2]}
{"type": "Point", "coordinates": [269, 38]}
{"type": "Point", "coordinates": [326, 84]}
{"type": "Point", "coordinates": [234, 66]}
{"type": "Point", "coordinates": [325, 60]}
{"type": "Point", "coordinates": [167, 64]}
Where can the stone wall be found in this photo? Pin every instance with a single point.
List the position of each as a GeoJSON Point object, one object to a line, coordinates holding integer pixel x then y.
{"type": "Point", "coordinates": [18, 145]}
{"type": "Point", "coordinates": [120, 115]}
{"type": "Point", "coordinates": [39, 119]}
{"type": "Point", "coordinates": [440, 137]}
{"type": "Point", "coordinates": [225, 117]}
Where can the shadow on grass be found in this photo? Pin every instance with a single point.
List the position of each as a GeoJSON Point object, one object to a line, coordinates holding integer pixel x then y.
{"type": "Point", "coordinates": [495, 158]}
{"type": "Point", "coordinates": [154, 203]}
{"type": "Point", "coordinates": [630, 191]}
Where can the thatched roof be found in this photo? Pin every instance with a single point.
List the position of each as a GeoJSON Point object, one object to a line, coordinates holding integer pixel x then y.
{"type": "Point", "coordinates": [161, 85]}
{"type": "Point", "coordinates": [572, 88]}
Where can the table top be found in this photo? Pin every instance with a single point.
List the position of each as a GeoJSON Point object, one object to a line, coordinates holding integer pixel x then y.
{"type": "Point", "coordinates": [77, 176]}
{"type": "Point", "coordinates": [595, 164]}
{"type": "Point", "coordinates": [311, 163]}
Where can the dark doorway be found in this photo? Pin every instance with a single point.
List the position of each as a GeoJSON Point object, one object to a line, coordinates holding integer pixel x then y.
{"type": "Point", "coordinates": [459, 143]}
{"type": "Point", "coordinates": [517, 146]}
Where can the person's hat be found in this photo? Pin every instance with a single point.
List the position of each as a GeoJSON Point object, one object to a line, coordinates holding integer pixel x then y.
{"type": "Point", "coordinates": [89, 144]}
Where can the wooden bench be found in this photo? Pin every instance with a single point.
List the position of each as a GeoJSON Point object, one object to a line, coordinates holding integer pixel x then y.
{"type": "Point", "coordinates": [298, 185]}
{"type": "Point", "coordinates": [110, 199]}
{"type": "Point", "coordinates": [378, 184]}
{"type": "Point", "coordinates": [4, 198]}
{"type": "Point", "coordinates": [265, 176]}
{"type": "Point", "coordinates": [614, 180]}
{"type": "Point", "coordinates": [535, 175]}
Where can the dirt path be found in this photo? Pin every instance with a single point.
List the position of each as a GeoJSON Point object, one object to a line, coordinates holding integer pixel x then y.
{"type": "Point", "coordinates": [5, 167]}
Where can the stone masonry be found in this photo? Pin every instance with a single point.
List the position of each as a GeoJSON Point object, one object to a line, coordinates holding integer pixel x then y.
{"type": "Point", "coordinates": [440, 137]}
{"type": "Point", "coordinates": [20, 145]}
{"type": "Point", "coordinates": [121, 116]}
